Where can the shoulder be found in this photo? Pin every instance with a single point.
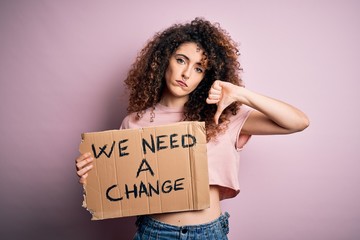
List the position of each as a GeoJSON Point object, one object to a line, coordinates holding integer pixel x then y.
{"type": "Point", "coordinates": [236, 125]}
{"type": "Point", "coordinates": [135, 120]}
{"type": "Point", "coordinates": [241, 116]}
{"type": "Point", "coordinates": [126, 122]}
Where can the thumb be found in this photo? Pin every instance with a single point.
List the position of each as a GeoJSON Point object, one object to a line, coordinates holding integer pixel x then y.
{"type": "Point", "coordinates": [219, 110]}
{"type": "Point", "coordinates": [220, 106]}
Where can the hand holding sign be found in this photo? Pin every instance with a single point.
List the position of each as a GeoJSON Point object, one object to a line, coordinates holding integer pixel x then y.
{"type": "Point", "coordinates": [83, 166]}
{"type": "Point", "coordinates": [222, 94]}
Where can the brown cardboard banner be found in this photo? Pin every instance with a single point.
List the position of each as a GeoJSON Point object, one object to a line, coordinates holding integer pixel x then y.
{"type": "Point", "coordinates": [147, 170]}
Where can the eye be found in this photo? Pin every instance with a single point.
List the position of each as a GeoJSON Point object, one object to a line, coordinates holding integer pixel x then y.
{"type": "Point", "coordinates": [199, 70]}
{"type": "Point", "coordinates": [180, 60]}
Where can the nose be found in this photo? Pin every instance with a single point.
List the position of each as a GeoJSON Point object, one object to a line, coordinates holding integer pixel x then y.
{"type": "Point", "coordinates": [186, 73]}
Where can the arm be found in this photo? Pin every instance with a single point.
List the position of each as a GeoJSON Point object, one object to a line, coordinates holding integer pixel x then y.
{"type": "Point", "coordinates": [270, 116]}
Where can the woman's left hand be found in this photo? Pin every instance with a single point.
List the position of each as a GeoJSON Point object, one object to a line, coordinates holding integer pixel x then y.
{"type": "Point", "coordinates": [272, 116]}
{"type": "Point", "coordinates": [222, 94]}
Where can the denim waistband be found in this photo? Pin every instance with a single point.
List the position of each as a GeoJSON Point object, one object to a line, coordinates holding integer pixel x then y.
{"type": "Point", "coordinates": [146, 220]}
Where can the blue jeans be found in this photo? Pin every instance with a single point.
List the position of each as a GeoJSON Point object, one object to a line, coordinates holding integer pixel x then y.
{"type": "Point", "coordinates": [151, 229]}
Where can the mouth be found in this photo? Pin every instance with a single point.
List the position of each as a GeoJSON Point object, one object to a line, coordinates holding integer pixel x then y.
{"type": "Point", "coordinates": [181, 83]}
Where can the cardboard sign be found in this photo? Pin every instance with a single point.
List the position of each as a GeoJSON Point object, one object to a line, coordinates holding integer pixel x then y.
{"type": "Point", "coordinates": [148, 170]}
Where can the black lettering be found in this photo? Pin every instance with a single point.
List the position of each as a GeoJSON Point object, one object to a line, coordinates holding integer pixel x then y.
{"type": "Point", "coordinates": [102, 150]}
{"type": "Point", "coordinates": [146, 189]}
{"type": "Point", "coordinates": [143, 189]}
{"type": "Point", "coordinates": [151, 188]}
{"type": "Point", "coordinates": [166, 188]}
{"type": "Point", "coordinates": [148, 168]}
{"type": "Point", "coordinates": [190, 137]}
{"type": "Point", "coordinates": [173, 141]}
{"type": "Point", "coordinates": [159, 142]}
{"type": "Point", "coordinates": [108, 194]}
{"type": "Point", "coordinates": [127, 191]}
{"type": "Point", "coordinates": [145, 143]}
{"type": "Point", "coordinates": [177, 186]}
{"type": "Point", "coordinates": [123, 148]}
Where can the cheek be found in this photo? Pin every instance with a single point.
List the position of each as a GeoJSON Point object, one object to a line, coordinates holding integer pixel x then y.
{"type": "Point", "coordinates": [169, 71]}
{"type": "Point", "coordinates": [167, 74]}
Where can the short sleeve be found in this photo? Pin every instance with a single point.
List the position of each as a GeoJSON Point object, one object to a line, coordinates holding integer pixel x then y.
{"type": "Point", "coordinates": [239, 120]}
{"type": "Point", "coordinates": [125, 123]}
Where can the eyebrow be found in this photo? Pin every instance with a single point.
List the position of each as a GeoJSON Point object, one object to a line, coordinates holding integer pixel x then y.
{"type": "Point", "coordinates": [187, 58]}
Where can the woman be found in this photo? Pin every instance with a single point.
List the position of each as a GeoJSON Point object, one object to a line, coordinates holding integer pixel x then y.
{"type": "Point", "coordinates": [191, 72]}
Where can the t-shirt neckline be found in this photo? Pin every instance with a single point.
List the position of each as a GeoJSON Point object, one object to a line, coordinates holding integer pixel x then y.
{"type": "Point", "coordinates": [164, 108]}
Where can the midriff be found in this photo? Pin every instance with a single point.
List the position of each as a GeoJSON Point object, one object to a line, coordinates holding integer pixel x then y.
{"type": "Point", "coordinates": [194, 217]}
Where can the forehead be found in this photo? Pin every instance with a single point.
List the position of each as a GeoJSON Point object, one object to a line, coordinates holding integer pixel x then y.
{"type": "Point", "coordinates": [193, 51]}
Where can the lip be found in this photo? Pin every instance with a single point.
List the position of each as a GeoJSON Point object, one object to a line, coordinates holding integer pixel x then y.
{"type": "Point", "coordinates": [181, 83]}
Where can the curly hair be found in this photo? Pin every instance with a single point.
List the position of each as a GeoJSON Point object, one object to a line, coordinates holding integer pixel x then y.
{"type": "Point", "coordinates": [145, 80]}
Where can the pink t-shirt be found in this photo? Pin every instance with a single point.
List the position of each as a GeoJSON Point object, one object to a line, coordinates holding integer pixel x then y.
{"type": "Point", "coordinates": [223, 162]}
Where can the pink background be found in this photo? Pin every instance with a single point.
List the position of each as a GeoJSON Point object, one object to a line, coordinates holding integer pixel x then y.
{"type": "Point", "coordinates": [62, 64]}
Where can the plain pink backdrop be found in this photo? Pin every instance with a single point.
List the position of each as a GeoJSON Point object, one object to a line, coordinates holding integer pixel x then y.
{"type": "Point", "coordinates": [62, 65]}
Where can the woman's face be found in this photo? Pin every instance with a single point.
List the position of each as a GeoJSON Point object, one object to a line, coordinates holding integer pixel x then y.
{"type": "Point", "coordinates": [185, 71]}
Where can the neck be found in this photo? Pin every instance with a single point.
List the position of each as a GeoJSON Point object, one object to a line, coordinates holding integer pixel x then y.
{"type": "Point", "coordinates": [173, 101]}
{"type": "Point", "coordinates": [172, 104]}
